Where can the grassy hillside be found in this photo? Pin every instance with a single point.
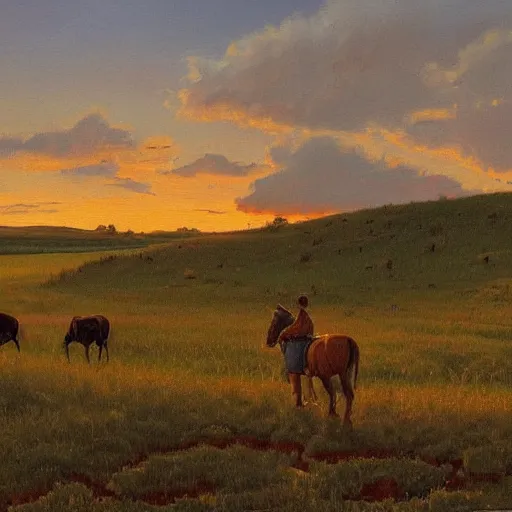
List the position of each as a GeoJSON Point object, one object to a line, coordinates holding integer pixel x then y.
{"type": "Point", "coordinates": [462, 245]}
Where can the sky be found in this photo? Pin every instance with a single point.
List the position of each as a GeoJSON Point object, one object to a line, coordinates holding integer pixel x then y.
{"type": "Point", "coordinates": [222, 114]}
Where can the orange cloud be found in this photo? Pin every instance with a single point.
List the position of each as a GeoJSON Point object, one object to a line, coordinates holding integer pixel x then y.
{"type": "Point", "coordinates": [469, 57]}
{"type": "Point", "coordinates": [398, 148]}
{"type": "Point", "coordinates": [432, 114]}
{"type": "Point", "coordinates": [98, 160]}
{"type": "Point", "coordinates": [226, 111]}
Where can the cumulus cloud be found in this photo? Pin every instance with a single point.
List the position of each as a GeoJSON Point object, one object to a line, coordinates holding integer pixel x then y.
{"type": "Point", "coordinates": [483, 113]}
{"type": "Point", "coordinates": [87, 136]}
{"type": "Point", "coordinates": [109, 172]}
{"type": "Point", "coordinates": [134, 186]}
{"type": "Point", "coordinates": [343, 181]}
{"type": "Point", "coordinates": [213, 164]}
{"type": "Point", "coordinates": [9, 146]}
{"type": "Point", "coordinates": [360, 63]}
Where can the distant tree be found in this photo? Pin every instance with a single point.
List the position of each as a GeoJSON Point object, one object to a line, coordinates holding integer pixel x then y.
{"type": "Point", "coordinates": [280, 221]}
{"type": "Point", "coordinates": [101, 227]}
{"type": "Point", "coordinates": [277, 222]}
{"type": "Point", "coordinates": [184, 229]}
{"type": "Point", "coordinates": [111, 229]}
{"type": "Point", "coordinates": [129, 232]}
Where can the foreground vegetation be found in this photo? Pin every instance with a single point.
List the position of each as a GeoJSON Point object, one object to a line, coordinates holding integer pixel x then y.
{"type": "Point", "coordinates": [193, 412]}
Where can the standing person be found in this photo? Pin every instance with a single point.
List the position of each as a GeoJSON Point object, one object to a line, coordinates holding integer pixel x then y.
{"type": "Point", "coordinates": [303, 325]}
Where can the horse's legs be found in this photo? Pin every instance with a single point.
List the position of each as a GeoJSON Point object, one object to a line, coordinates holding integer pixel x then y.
{"type": "Point", "coordinates": [296, 388]}
{"type": "Point", "coordinates": [311, 389]}
{"type": "Point", "coordinates": [87, 353]}
{"type": "Point", "coordinates": [326, 381]}
{"type": "Point", "coordinates": [348, 391]}
{"type": "Point", "coordinates": [99, 354]}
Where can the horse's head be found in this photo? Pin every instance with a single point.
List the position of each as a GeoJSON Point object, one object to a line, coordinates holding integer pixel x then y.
{"type": "Point", "coordinates": [282, 318]}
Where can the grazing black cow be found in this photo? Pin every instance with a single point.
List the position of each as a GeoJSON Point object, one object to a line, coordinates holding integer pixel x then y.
{"type": "Point", "coordinates": [9, 327]}
{"type": "Point", "coordinates": [87, 330]}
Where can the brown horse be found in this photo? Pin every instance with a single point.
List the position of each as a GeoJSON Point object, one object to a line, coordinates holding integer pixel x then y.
{"type": "Point", "coordinates": [328, 355]}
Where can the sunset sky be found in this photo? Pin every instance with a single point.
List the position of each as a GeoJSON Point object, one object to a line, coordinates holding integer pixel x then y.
{"type": "Point", "coordinates": [220, 114]}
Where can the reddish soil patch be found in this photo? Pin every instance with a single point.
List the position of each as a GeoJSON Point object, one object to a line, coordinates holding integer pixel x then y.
{"type": "Point", "coordinates": [248, 441]}
{"type": "Point", "coordinates": [23, 497]}
{"type": "Point", "coordinates": [99, 489]}
{"type": "Point", "coordinates": [456, 464]}
{"type": "Point", "coordinates": [455, 483]}
{"type": "Point", "coordinates": [334, 457]}
{"type": "Point", "coordinates": [301, 465]}
{"type": "Point", "coordinates": [136, 461]}
{"type": "Point", "coordinates": [433, 461]}
{"type": "Point", "coordinates": [381, 490]}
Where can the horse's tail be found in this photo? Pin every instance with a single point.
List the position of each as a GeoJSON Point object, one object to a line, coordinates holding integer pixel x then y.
{"type": "Point", "coordinates": [353, 361]}
{"type": "Point", "coordinates": [17, 335]}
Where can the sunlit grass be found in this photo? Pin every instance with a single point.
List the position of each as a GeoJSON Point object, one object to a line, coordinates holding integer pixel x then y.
{"type": "Point", "coordinates": [189, 362]}
{"type": "Point", "coordinates": [62, 418]}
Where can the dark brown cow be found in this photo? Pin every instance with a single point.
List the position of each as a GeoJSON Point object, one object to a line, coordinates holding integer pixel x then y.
{"type": "Point", "coordinates": [9, 327]}
{"type": "Point", "coordinates": [87, 330]}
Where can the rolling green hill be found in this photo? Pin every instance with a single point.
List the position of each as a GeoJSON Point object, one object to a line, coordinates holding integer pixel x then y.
{"type": "Point", "coordinates": [462, 246]}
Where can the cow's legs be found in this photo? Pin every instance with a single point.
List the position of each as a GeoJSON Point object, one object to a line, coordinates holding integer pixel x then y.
{"type": "Point", "coordinates": [106, 350]}
{"type": "Point", "coordinates": [87, 353]}
{"type": "Point", "coordinates": [17, 343]}
{"type": "Point", "coordinates": [99, 354]}
{"type": "Point", "coordinates": [66, 346]}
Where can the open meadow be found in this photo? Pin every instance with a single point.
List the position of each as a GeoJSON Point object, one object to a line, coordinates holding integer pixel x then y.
{"type": "Point", "coordinates": [193, 412]}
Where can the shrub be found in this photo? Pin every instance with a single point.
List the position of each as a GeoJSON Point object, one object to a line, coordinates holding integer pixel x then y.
{"type": "Point", "coordinates": [189, 273]}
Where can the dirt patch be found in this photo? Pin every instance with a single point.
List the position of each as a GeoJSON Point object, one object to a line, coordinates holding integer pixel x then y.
{"type": "Point", "coordinates": [335, 457]}
{"type": "Point", "coordinates": [380, 490]}
{"type": "Point", "coordinates": [98, 488]}
{"type": "Point", "coordinates": [248, 441]}
{"type": "Point", "coordinates": [23, 497]}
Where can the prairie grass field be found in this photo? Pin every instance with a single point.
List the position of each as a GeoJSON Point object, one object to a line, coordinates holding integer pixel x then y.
{"type": "Point", "coordinates": [194, 413]}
